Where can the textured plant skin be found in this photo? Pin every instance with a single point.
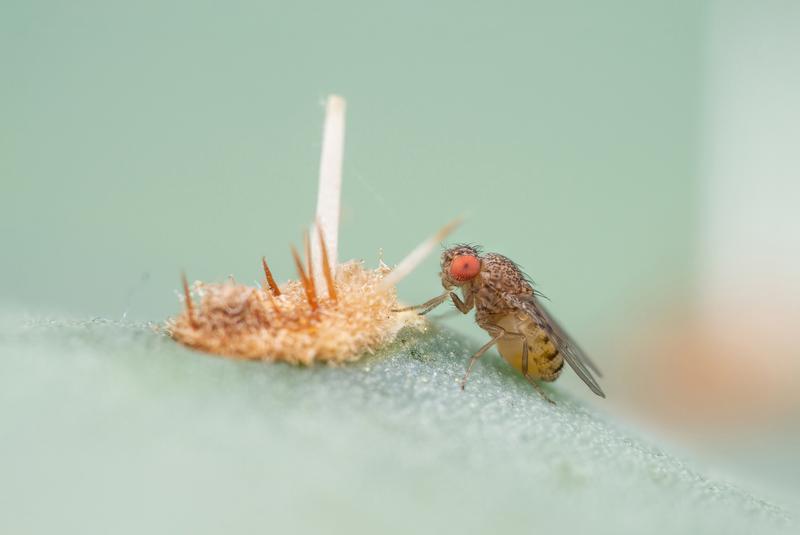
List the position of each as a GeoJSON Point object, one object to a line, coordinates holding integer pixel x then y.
{"type": "Point", "coordinates": [113, 426]}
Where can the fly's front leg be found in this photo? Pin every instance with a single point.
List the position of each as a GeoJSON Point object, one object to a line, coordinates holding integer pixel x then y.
{"type": "Point", "coordinates": [463, 306]}
{"type": "Point", "coordinates": [427, 306]}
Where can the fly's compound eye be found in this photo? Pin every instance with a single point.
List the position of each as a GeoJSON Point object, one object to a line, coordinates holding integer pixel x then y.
{"type": "Point", "coordinates": [464, 267]}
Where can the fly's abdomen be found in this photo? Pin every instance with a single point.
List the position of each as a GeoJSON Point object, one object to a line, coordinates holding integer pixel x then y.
{"type": "Point", "coordinates": [544, 361]}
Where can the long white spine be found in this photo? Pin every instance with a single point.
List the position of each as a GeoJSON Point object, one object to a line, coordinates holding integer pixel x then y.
{"type": "Point", "coordinates": [330, 190]}
{"type": "Point", "coordinates": [415, 257]}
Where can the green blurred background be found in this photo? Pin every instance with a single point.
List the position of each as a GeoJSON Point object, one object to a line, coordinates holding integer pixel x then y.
{"type": "Point", "coordinates": [143, 138]}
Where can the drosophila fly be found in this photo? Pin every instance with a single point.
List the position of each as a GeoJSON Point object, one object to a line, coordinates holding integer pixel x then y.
{"type": "Point", "coordinates": [507, 307]}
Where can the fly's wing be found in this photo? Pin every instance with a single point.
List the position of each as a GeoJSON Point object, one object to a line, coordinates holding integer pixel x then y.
{"type": "Point", "coordinates": [571, 352]}
{"type": "Point", "coordinates": [579, 352]}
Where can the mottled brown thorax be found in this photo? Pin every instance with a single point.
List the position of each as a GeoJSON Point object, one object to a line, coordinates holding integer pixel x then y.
{"type": "Point", "coordinates": [499, 276]}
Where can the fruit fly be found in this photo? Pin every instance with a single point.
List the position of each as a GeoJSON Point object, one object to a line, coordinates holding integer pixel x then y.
{"type": "Point", "coordinates": [508, 308]}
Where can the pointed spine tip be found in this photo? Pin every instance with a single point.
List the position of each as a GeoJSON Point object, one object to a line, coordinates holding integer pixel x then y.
{"type": "Point", "coordinates": [307, 285]}
{"type": "Point", "coordinates": [188, 300]}
{"type": "Point", "coordinates": [413, 259]}
{"type": "Point", "coordinates": [310, 266]}
{"type": "Point", "coordinates": [273, 286]}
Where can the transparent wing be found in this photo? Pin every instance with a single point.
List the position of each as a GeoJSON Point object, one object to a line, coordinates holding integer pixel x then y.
{"type": "Point", "coordinates": [579, 352]}
{"type": "Point", "coordinates": [571, 351]}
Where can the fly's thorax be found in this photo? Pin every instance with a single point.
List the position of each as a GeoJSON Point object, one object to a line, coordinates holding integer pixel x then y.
{"type": "Point", "coordinates": [503, 275]}
{"type": "Point", "coordinates": [490, 304]}
{"type": "Point", "coordinates": [499, 278]}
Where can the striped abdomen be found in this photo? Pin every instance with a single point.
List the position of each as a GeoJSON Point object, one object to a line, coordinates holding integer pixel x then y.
{"type": "Point", "coordinates": [544, 360]}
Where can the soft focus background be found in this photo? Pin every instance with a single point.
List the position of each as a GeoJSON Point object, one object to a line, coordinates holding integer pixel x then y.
{"type": "Point", "coordinates": [639, 159]}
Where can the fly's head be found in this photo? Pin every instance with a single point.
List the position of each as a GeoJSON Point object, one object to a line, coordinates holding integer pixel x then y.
{"type": "Point", "coordinates": [461, 264]}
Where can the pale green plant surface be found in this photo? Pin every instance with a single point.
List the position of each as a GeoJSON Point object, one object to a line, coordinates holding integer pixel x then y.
{"type": "Point", "coordinates": [110, 427]}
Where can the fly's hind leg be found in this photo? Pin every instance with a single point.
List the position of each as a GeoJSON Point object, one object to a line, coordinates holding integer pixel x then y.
{"type": "Point", "coordinates": [530, 379]}
{"type": "Point", "coordinates": [525, 350]}
{"type": "Point", "coordinates": [536, 386]}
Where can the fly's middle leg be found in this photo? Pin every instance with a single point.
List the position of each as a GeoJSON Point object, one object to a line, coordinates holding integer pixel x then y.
{"type": "Point", "coordinates": [486, 347]}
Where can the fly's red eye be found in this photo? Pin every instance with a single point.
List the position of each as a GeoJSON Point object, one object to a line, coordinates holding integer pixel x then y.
{"type": "Point", "coordinates": [464, 267]}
